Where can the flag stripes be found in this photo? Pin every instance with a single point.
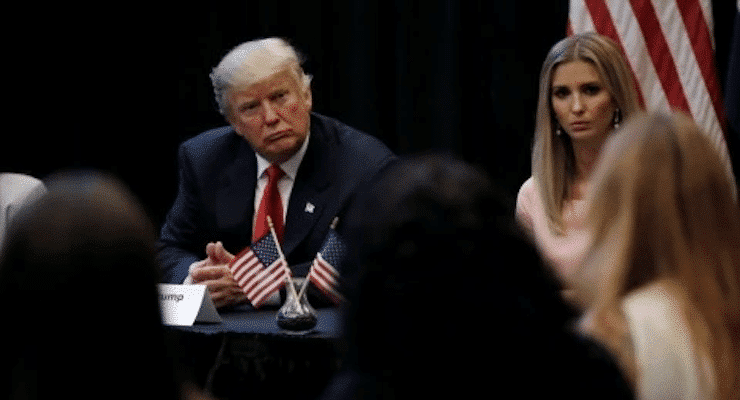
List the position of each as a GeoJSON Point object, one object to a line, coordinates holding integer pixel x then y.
{"type": "Point", "coordinates": [326, 278]}
{"type": "Point", "coordinates": [669, 46]}
{"type": "Point", "coordinates": [323, 273]}
{"type": "Point", "coordinates": [245, 268]}
{"type": "Point", "coordinates": [660, 53]}
{"type": "Point", "coordinates": [248, 269]}
{"type": "Point", "coordinates": [267, 282]}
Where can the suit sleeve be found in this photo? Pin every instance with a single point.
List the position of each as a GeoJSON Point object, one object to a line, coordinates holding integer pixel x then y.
{"type": "Point", "coordinates": [177, 247]}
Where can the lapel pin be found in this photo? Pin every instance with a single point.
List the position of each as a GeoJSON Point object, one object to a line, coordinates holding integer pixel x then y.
{"type": "Point", "coordinates": [310, 207]}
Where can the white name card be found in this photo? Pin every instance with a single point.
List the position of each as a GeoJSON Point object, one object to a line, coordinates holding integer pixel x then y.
{"type": "Point", "coordinates": [183, 305]}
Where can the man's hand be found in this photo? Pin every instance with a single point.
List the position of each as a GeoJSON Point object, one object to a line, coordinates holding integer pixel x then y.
{"type": "Point", "coordinates": [214, 273]}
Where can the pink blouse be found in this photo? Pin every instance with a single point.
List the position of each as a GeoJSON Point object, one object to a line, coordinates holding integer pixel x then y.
{"type": "Point", "coordinates": [563, 252]}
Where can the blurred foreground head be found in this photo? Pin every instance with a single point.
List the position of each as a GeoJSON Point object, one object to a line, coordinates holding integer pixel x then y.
{"type": "Point", "coordinates": [447, 284]}
{"type": "Point", "coordinates": [663, 206]}
{"type": "Point", "coordinates": [78, 283]}
{"type": "Point", "coordinates": [663, 211]}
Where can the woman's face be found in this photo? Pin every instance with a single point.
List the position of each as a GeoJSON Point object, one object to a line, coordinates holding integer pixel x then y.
{"type": "Point", "coordinates": [581, 103]}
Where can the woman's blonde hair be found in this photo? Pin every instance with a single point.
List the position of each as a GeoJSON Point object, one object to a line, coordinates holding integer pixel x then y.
{"type": "Point", "coordinates": [662, 209]}
{"type": "Point", "coordinates": [552, 155]}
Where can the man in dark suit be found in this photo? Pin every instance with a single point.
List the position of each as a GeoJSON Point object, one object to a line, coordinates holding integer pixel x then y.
{"type": "Point", "coordinates": [264, 94]}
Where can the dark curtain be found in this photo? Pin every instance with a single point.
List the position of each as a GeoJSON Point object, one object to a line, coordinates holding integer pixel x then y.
{"type": "Point", "coordinates": [119, 86]}
{"type": "Point", "coordinates": [727, 41]}
{"type": "Point", "coordinates": [420, 75]}
{"type": "Point", "coordinates": [457, 76]}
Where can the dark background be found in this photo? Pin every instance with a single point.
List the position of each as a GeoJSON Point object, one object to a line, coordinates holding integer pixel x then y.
{"type": "Point", "coordinates": [117, 86]}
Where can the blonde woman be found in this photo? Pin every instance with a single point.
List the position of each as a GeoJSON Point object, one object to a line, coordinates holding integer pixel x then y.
{"type": "Point", "coordinates": [662, 278]}
{"type": "Point", "coordinates": [586, 90]}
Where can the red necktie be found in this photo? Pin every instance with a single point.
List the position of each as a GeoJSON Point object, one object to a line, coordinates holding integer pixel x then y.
{"type": "Point", "coordinates": [271, 205]}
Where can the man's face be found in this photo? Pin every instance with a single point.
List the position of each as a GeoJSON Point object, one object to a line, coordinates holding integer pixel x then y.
{"type": "Point", "coordinates": [272, 115]}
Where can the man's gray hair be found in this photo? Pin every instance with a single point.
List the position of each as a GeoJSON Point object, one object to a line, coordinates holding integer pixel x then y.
{"type": "Point", "coordinates": [251, 62]}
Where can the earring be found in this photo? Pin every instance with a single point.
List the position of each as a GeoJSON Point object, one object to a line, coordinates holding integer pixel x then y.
{"type": "Point", "coordinates": [558, 131]}
{"type": "Point", "coordinates": [617, 118]}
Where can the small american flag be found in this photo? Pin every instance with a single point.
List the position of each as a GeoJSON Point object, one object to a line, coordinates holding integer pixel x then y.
{"type": "Point", "coordinates": [250, 273]}
{"type": "Point", "coordinates": [323, 271]}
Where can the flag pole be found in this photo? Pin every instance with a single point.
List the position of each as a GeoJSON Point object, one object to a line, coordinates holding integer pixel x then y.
{"type": "Point", "coordinates": [303, 287]}
{"type": "Point", "coordinates": [280, 252]}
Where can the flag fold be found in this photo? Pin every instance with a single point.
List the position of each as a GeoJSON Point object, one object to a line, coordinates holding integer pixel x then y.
{"type": "Point", "coordinates": [323, 273]}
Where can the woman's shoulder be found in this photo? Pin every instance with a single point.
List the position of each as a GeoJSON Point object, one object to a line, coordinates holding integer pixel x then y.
{"type": "Point", "coordinates": [657, 298]}
{"type": "Point", "coordinates": [527, 191]}
{"type": "Point", "coordinates": [662, 338]}
{"type": "Point", "coordinates": [526, 204]}
{"type": "Point", "coordinates": [528, 197]}
{"type": "Point", "coordinates": [653, 309]}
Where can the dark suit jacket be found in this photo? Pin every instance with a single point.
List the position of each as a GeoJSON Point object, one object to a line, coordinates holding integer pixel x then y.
{"type": "Point", "coordinates": [215, 200]}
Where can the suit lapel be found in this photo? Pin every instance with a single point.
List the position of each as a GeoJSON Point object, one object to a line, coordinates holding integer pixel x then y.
{"type": "Point", "coordinates": [311, 193]}
{"type": "Point", "coordinates": [235, 193]}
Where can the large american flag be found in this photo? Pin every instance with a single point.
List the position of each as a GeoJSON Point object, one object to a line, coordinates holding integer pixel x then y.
{"type": "Point", "coordinates": [670, 47]}
{"type": "Point", "coordinates": [260, 270]}
{"type": "Point", "coordinates": [323, 272]}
